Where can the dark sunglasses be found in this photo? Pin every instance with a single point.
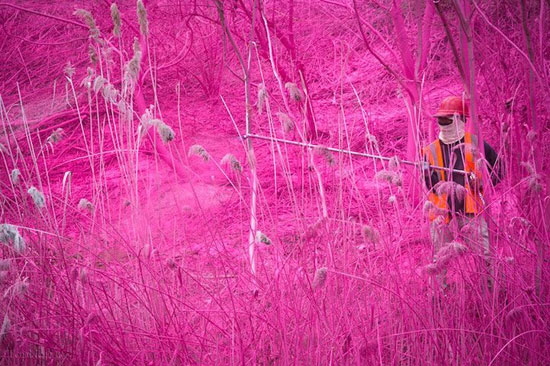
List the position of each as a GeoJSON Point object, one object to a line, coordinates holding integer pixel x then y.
{"type": "Point", "coordinates": [444, 120]}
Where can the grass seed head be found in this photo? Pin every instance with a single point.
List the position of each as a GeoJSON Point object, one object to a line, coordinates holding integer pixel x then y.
{"type": "Point", "coordinates": [394, 163]}
{"type": "Point", "coordinates": [5, 264]}
{"type": "Point", "coordinates": [99, 81]}
{"type": "Point", "coordinates": [37, 197]}
{"type": "Point", "coordinates": [6, 325]}
{"type": "Point", "coordinates": [315, 229]}
{"type": "Point", "coordinates": [198, 150]}
{"type": "Point", "coordinates": [133, 66]}
{"type": "Point", "coordinates": [232, 161]}
{"type": "Point", "coordinates": [450, 188]}
{"type": "Point", "coordinates": [110, 93]}
{"type": "Point", "coordinates": [327, 154]}
{"type": "Point", "coordinates": [69, 70]}
{"type": "Point", "coordinates": [262, 96]}
{"type": "Point", "coordinates": [87, 81]}
{"type": "Point", "coordinates": [142, 18]}
{"type": "Point", "coordinates": [370, 234]}
{"type": "Point", "coordinates": [389, 176]}
{"type": "Point", "coordinates": [15, 174]}
{"type": "Point", "coordinates": [262, 238]}
{"type": "Point", "coordinates": [320, 277]}
{"type": "Point", "coordinates": [19, 288]}
{"type": "Point", "coordinates": [84, 204]}
{"type": "Point", "coordinates": [285, 120]}
{"type": "Point", "coordinates": [166, 132]}
{"type": "Point", "coordinates": [90, 22]}
{"type": "Point", "coordinates": [370, 139]}
{"type": "Point", "coordinates": [92, 53]}
{"type": "Point", "coordinates": [534, 183]}
{"type": "Point", "coordinates": [55, 136]}
{"type": "Point", "coordinates": [444, 256]}
{"type": "Point", "coordinates": [115, 16]}
{"type": "Point", "coordinates": [529, 167]}
{"type": "Point", "coordinates": [10, 235]}
{"type": "Point", "coordinates": [294, 92]}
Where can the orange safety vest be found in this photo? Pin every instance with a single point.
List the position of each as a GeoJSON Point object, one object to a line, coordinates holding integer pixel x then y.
{"type": "Point", "coordinates": [472, 202]}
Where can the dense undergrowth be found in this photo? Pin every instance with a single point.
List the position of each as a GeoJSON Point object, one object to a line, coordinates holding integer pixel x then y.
{"type": "Point", "coordinates": [141, 226]}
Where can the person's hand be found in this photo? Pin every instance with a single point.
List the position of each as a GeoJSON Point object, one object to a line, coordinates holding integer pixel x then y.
{"type": "Point", "coordinates": [474, 182]}
{"type": "Point", "coordinates": [424, 166]}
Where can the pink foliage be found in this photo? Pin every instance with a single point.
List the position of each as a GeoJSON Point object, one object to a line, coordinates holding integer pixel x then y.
{"type": "Point", "coordinates": [150, 214]}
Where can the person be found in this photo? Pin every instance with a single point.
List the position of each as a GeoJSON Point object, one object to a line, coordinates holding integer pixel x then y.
{"type": "Point", "coordinates": [455, 194]}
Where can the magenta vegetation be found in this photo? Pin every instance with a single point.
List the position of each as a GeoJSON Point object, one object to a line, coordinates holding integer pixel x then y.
{"type": "Point", "coordinates": [216, 182]}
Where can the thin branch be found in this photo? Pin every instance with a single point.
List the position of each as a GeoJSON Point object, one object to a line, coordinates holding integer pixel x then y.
{"type": "Point", "coordinates": [45, 15]}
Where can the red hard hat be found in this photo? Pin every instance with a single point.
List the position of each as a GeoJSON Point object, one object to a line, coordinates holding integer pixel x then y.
{"type": "Point", "coordinates": [452, 105]}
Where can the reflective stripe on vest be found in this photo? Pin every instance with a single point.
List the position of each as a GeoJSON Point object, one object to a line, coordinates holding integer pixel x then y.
{"type": "Point", "coordinates": [472, 200]}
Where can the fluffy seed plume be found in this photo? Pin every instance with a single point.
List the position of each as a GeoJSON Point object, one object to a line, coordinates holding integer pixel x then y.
{"type": "Point", "coordinates": [286, 122]}
{"type": "Point", "coordinates": [6, 325]}
{"type": "Point", "coordinates": [115, 16]}
{"type": "Point", "coordinates": [198, 150]}
{"type": "Point", "coordinates": [370, 139]}
{"type": "Point", "coordinates": [534, 184]}
{"type": "Point", "coordinates": [320, 277]}
{"type": "Point", "coordinates": [20, 287]}
{"type": "Point", "coordinates": [69, 70]}
{"type": "Point", "coordinates": [92, 54]}
{"type": "Point", "coordinates": [314, 230]}
{"type": "Point", "coordinates": [329, 157]}
{"type": "Point", "coordinates": [232, 161]}
{"type": "Point", "coordinates": [84, 204]}
{"type": "Point", "coordinates": [89, 20]}
{"type": "Point", "coordinates": [98, 83]}
{"type": "Point", "coordinates": [166, 132]}
{"type": "Point", "coordinates": [370, 234]}
{"type": "Point", "coordinates": [294, 92]}
{"type": "Point", "coordinates": [389, 176]}
{"type": "Point", "coordinates": [450, 188]}
{"type": "Point", "coordinates": [534, 180]}
{"type": "Point", "coordinates": [133, 66]}
{"type": "Point", "coordinates": [5, 264]}
{"type": "Point", "coordinates": [55, 136]}
{"type": "Point", "coordinates": [262, 96]}
{"type": "Point", "coordinates": [10, 235]}
{"type": "Point", "coordinates": [37, 197]}
{"type": "Point", "coordinates": [15, 174]}
{"type": "Point", "coordinates": [142, 18]}
{"type": "Point", "coordinates": [87, 81]}
{"type": "Point", "coordinates": [262, 238]}
{"type": "Point", "coordinates": [444, 256]}
{"type": "Point", "coordinates": [110, 93]}
{"type": "Point", "coordinates": [394, 163]}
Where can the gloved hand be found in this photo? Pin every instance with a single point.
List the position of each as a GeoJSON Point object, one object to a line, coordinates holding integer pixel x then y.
{"type": "Point", "coordinates": [474, 182]}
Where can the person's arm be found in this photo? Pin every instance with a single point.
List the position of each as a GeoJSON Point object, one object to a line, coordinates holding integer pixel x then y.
{"type": "Point", "coordinates": [495, 166]}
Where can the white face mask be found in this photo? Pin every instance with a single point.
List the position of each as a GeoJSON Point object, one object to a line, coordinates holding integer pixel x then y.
{"type": "Point", "coordinates": [453, 132]}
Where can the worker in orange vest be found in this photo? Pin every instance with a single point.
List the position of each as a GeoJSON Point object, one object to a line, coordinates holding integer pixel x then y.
{"type": "Point", "coordinates": [455, 200]}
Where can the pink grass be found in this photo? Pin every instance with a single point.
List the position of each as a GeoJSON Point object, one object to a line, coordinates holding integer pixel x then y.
{"type": "Point", "coordinates": [183, 243]}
